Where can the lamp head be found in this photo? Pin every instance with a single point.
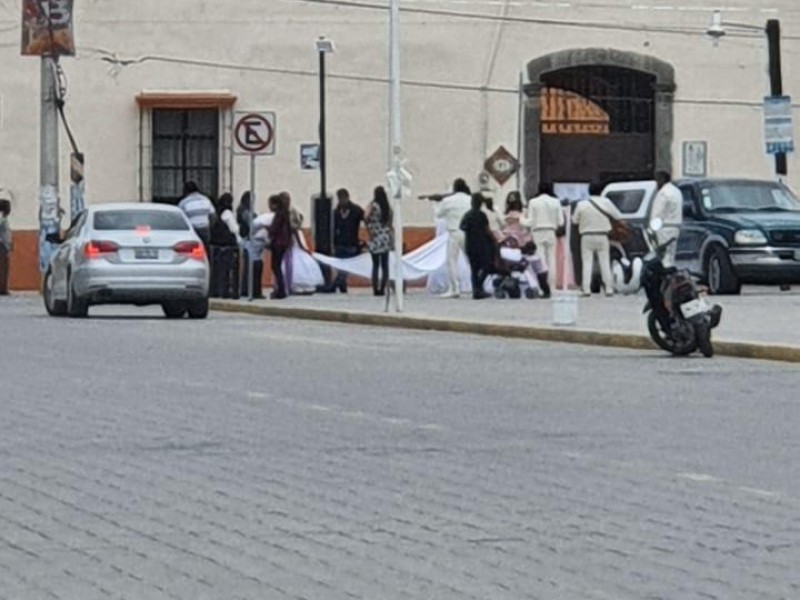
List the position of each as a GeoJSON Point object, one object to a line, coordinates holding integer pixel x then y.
{"type": "Point", "coordinates": [716, 31]}
{"type": "Point", "coordinates": [325, 45]}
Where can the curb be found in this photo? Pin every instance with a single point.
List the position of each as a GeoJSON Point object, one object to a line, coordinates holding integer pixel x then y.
{"type": "Point", "coordinates": [585, 337]}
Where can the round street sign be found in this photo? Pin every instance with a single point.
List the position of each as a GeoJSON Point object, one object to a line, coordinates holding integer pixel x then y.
{"type": "Point", "coordinates": [254, 133]}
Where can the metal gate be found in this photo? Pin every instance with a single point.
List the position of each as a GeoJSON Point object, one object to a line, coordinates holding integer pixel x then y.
{"type": "Point", "coordinates": [598, 124]}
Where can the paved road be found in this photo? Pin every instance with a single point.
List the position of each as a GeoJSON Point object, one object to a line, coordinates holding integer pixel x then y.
{"type": "Point", "coordinates": [245, 458]}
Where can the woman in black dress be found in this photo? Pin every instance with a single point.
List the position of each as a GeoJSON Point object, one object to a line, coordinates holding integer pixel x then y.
{"type": "Point", "coordinates": [480, 245]}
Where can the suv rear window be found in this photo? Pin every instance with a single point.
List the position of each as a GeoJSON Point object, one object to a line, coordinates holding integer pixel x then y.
{"type": "Point", "coordinates": [130, 220]}
{"type": "Point", "coordinates": [627, 201]}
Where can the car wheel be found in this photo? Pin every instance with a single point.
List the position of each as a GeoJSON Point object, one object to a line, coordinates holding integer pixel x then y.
{"type": "Point", "coordinates": [54, 307]}
{"type": "Point", "coordinates": [77, 307]}
{"type": "Point", "coordinates": [198, 309]}
{"type": "Point", "coordinates": [173, 310]}
{"type": "Point", "coordinates": [720, 276]}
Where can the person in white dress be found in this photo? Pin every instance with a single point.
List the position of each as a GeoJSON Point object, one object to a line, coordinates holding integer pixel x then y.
{"type": "Point", "coordinates": [451, 210]}
{"type": "Point", "coordinates": [544, 218]}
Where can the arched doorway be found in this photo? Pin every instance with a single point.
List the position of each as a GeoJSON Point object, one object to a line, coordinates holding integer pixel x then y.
{"type": "Point", "coordinates": [597, 115]}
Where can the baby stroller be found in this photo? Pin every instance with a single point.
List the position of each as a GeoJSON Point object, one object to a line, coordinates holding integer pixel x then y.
{"type": "Point", "coordinates": [519, 271]}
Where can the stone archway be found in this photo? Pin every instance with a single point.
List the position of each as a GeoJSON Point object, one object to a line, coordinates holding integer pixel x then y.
{"type": "Point", "coordinates": [660, 73]}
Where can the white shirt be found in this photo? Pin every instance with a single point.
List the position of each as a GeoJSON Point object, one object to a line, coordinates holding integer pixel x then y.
{"type": "Point", "coordinates": [590, 220]}
{"type": "Point", "coordinates": [452, 209]}
{"type": "Point", "coordinates": [199, 209]}
{"type": "Point", "coordinates": [229, 220]}
{"type": "Point", "coordinates": [544, 212]}
{"type": "Point", "coordinates": [668, 205]}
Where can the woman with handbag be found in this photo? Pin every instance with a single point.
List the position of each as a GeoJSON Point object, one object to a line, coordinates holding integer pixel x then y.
{"type": "Point", "coordinates": [594, 218]}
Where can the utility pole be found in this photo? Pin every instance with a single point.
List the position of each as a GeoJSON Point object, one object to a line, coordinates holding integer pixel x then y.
{"type": "Point", "coordinates": [398, 178]}
{"type": "Point", "coordinates": [49, 205]}
{"type": "Point", "coordinates": [773, 31]}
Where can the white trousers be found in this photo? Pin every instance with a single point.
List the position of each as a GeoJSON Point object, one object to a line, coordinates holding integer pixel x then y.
{"type": "Point", "coordinates": [545, 240]}
{"type": "Point", "coordinates": [455, 246]}
{"type": "Point", "coordinates": [591, 245]}
{"type": "Point", "coordinates": [663, 236]}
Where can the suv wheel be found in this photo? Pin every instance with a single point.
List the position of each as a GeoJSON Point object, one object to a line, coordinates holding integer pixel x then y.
{"type": "Point", "coordinates": [720, 275]}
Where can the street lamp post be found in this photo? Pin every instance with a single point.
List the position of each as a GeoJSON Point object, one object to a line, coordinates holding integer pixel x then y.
{"type": "Point", "coordinates": [324, 46]}
{"type": "Point", "coordinates": [772, 31]}
{"type": "Point", "coordinates": [398, 177]}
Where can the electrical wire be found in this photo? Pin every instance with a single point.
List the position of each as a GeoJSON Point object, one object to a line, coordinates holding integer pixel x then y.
{"type": "Point", "coordinates": [118, 63]}
{"type": "Point", "coordinates": [359, 4]}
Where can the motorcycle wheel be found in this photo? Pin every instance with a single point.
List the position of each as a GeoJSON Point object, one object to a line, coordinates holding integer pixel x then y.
{"type": "Point", "coordinates": [702, 333]}
{"type": "Point", "coordinates": [667, 342]}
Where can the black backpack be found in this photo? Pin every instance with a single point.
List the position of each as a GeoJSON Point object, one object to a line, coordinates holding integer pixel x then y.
{"type": "Point", "coordinates": [221, 235]}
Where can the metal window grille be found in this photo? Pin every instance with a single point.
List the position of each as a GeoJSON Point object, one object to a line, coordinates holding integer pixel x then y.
{"type": "Point", "coordinates": [185, 148]}
{"type": "Point", "coordinates": [625, 95]}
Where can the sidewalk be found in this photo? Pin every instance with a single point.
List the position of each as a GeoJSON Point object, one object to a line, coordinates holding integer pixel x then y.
{"type": "Point", "coordinates": [761, 323]}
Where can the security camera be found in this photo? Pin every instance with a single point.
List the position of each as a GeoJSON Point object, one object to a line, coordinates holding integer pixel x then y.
{"type": "Point", "coordinates": [716, 31]}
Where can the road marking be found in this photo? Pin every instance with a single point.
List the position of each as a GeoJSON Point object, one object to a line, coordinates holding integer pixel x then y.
{"type": "Point", "coordinates": [339, 411]}
{"type": "Point", "coordinates": [758, 492]}
{"type": "Point", "coordinates": [699, 477]}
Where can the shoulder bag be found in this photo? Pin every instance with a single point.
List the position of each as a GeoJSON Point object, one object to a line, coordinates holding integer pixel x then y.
{"type": "Point", "coordinates": [620, 230]}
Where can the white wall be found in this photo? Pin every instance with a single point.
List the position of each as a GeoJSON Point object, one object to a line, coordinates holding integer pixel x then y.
{"type": "Point", "coordinates": [443, 128]}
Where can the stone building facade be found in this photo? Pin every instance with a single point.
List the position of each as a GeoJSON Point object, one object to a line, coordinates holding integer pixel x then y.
{"type": "Point", "coordinates": [579, 90]}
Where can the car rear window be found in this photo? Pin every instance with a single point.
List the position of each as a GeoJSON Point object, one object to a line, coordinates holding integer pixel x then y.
{"type": "Point", "coordinates": [627, 201]}
{"type": "Point", "coordinates": [131, 220]}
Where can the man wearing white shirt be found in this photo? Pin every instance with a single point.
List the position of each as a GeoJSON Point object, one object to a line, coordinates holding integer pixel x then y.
{"type": "Point", "coordinates": [199, 209]}
{"type": "Point", "coordinates": [668, 206]}
{"type": "Point", "coordinates": [544, 217]}
{"type": "Point", "coordinates": [451, 210]}
{"type": "Point", "coordinates": [592, 218]}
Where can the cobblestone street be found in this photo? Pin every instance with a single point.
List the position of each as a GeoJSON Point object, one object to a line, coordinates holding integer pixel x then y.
{"type": "Point", "coordinates": [247, 458]}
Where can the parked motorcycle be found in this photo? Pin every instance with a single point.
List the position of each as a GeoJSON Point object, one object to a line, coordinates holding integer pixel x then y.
{"type": "Point", "coordinates": [679, 317]}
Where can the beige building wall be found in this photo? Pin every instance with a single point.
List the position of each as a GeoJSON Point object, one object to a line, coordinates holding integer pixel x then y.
{"type": "Point", "coordinates": [262, 51]}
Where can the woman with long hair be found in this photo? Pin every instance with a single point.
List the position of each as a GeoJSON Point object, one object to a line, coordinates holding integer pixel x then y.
{"type": "Point", "coordinates": [512, 221]}
{"type": "Point", "coordinates": [381, 239]}
{"type": "Point", "coordinates": [280, 237]}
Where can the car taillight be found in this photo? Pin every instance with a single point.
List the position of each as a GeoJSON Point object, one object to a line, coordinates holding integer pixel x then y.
{"type": "Point", "coordinates": [99, 249]}
{"type": "Point", "coordinates": [193, 250]}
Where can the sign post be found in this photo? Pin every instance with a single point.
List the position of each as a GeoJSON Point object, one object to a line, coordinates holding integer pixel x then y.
{"type": "Point", "coordinates": [253, 135]}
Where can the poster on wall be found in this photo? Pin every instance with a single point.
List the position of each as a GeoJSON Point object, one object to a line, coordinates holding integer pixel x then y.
{"type": "Point", "coordinates": [47, 28]}
{"type": "Point", "coordinates": [695, 159]}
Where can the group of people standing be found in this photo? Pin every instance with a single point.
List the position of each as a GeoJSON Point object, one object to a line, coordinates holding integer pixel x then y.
{"type": "Point", "coordinates": [347, 220]}
{"type": "Point", "coordinates": [475, 228]}
{"type": "Point", "coordinates": [232, 249]}
{"type": "Point", "coordinates": [236, 257]}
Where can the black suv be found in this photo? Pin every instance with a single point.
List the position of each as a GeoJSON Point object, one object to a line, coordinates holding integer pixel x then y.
{"type": "Point", "coordinates": [739, 231]}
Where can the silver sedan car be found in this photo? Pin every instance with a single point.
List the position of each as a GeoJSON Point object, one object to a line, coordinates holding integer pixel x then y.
{"type": "Point", "coordinates": [129, 254]}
